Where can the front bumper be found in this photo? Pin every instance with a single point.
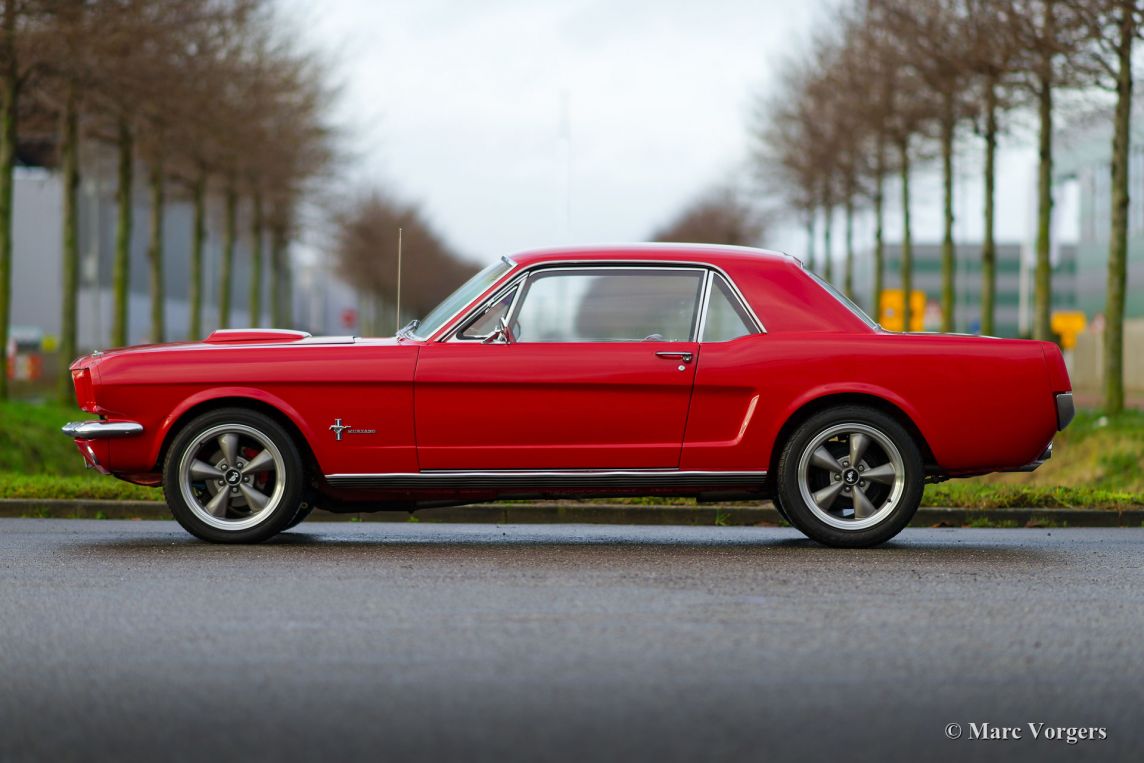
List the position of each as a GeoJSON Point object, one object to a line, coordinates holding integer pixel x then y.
{"type": "Point", "coordinates": [101, 430]}
{"type": "Point", "coordinates": [91, 436]}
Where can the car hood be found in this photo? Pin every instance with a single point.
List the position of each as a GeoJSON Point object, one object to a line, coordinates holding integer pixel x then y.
{"type": "Point", "coordinates": [232, 340]}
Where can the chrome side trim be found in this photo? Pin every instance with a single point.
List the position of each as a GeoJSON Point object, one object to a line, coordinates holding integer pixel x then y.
{"type": "Point", "coordinates": [570, 478]}
{"type": "Point", "coordinates": [98, 430]}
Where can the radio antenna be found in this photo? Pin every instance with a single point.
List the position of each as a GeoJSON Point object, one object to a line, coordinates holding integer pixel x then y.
{"type": "Point", "coordinates": [397, 318]}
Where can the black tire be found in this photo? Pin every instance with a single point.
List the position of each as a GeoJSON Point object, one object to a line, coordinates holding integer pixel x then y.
{"type": "Point", "coordinates": [304, 510]}
{"type": "Point", "coordinates": [286, 483]}
{"type": "Point", "coordinates": [878, 510]}
{"type": "Point", "coordinates": [777, 501]}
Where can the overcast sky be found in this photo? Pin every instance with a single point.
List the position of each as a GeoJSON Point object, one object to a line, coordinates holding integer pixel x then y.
{"type": "Point", "coordinates": [526, 123]}
{"type": "Point", "coordinates": [523, 123]}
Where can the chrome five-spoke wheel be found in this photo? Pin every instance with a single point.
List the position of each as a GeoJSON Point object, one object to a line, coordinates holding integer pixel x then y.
{"type": "Point", "coordinates": [850, 476]}
{"type": "Point", "coordinates": [234, 476]}
{"type": "Point", "coordinates": [231, 476]}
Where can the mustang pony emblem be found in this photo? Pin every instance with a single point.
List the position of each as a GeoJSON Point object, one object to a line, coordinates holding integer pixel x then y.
{"type": "Point", "coordinates": [339, 429]}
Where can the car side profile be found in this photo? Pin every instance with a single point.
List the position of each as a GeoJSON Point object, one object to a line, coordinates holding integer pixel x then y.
{"type": "Point", "coordinates": [723, 373]}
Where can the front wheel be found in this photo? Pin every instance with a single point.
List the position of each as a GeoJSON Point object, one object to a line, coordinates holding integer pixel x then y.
{"type": "Point", "coordinates": [234, 476]}
{"type": "Point", "coordinates": [851, 477]}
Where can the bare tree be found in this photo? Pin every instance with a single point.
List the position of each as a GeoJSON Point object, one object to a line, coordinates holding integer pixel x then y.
{"type": "Point", "coordinates": [366, 248]}
{"type": "Point", "coordinates": [1111, 29]}
{"type": "Point", "coordinates": [933, 37]}
{"type": "Point", "coordinates": [717, 216]}
{"type": "Point", "coordinates": [1049, 41]}
{"type": "Point", "coordinates": [22, 38]}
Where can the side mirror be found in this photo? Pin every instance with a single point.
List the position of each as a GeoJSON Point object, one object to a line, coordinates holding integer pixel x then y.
{"type": "Point", "coordinates": [502, 335]}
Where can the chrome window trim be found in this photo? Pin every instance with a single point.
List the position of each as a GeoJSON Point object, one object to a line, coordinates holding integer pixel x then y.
{"type": "Point", "coordinates": [515, 283]}
{"type": "Point", "coordinates": [738, 298]}
{"type": "Point", "coordinates": [448, 325]}
{"type": "Point", "coordinates": [704, 301]}
{"type": "Point", "coordinates": [545, 478]}
{"type": "Point", "coordinates": [449, 333]}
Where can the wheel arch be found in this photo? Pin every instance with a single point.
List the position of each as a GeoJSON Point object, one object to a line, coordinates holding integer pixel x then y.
{"type": "Point", "coordinates": [824, 402]}
{"type": "Point", "coordinates": [273, 408]}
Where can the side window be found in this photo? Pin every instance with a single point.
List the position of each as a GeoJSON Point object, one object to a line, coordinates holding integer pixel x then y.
{"type": "Point", "coordinates": [609, 305]}
{"type": "Point", "coordinates": [486, 322]}
{"type": "Point", "coordinates": [726, 317]}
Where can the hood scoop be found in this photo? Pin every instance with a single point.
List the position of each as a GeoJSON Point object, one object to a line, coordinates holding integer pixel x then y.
{"type": "Point", "coordinates": [255, 336]}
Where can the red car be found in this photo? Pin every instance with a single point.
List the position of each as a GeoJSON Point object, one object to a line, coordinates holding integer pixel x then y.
{"type": "Point", "coordinates": [715, 372]}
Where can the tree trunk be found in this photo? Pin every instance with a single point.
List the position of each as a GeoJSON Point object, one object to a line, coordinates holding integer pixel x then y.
{"type": "Point", "coordinates": [277, 274]}
{"type": "Point", "coordinates": [988, 247]}
{"type": "Point", "coordinates": [1118, 241]}
{"type": "Point", "coordinates": [879, 223]}
{"type": "Point", "coordinates": [156, 182]}
{"type": "Point", "coordinates": [198, 239]}
{"type": "Point", "coordinates": [1043, 285]}
{"type": "Point", "coordinates": [121, 275]}
{"type": "Point", "coordinates": [287, 276]}
{"type": "Point", "coordinates": [827, 269]}
{"type": "Point", "coordinates": [226, 271]}
{"type": "Point", "coordinates": [810, 226]}
{"type": "Point", "coordinates": [848, 278]}
{"type": "Point", "coordinates": [69, 167]}
{"type": "Point", "coordinates": [948, 288]}
{"type": "Point", "coordinates": [9, 97]}
{"type": "Point", "coordinates": [907, 237]}
{"type": "Point", "coordinates": [256, 261]}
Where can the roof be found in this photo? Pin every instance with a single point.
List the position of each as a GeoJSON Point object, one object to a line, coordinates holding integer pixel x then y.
{"type": "Point", "coordinates": [715, 254]}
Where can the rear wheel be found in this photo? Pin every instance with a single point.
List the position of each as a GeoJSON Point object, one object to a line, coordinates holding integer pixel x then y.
{"type": "Point", "coordinates": [234, 476]}
{"type": "Point", "coordinates": [851, 477]}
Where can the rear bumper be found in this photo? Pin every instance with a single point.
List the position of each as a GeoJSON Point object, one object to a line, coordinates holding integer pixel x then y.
{"type": "Point", "coordinates": [1065, 410]}
{"type": "Point", "coordinates": [101, 430]}
{"type": "Point", "coordinates": [1032, 467]}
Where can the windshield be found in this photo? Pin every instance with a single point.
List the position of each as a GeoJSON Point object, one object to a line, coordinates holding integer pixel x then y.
{"type": "Point", "coordinates": [461, 297]}
{"type": "Point", "coordinates": [843, 299]}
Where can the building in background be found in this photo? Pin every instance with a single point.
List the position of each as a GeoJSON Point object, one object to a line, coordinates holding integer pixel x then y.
{"type": "Point", "coordinates": [37, 255]}
{"type": "Point", "coordinates": [1084, 158]}
{"type": "Point", "coordinates": [1014, 296]}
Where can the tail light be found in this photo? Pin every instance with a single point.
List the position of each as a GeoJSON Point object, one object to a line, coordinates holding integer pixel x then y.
{"type": "Point", "coordinates": [84, 389]}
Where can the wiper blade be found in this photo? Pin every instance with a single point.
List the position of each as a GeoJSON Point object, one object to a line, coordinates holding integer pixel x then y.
{"type": "Point", "coordinates": [407, 329]}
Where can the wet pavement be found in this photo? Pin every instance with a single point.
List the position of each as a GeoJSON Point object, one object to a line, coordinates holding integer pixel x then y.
{"type": "Point", "coordinates": [129, 640]}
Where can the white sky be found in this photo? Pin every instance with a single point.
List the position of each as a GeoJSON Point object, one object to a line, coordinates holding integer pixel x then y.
{"type": "Point", "coordinates": [460, 106]}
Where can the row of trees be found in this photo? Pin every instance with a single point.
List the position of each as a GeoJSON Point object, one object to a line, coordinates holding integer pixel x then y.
{"type": "Point", "coordinates": [720, 215]}
{"type": "Point", "coordinates": [900, 81]}
{"type": "Point", "coordinates": [366, 249]}
{"type": "Point", "coordinates": [209, 96]}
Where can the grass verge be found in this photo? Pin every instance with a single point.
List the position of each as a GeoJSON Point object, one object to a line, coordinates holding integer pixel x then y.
{"type": "Point", "coordinates": [53, 487]}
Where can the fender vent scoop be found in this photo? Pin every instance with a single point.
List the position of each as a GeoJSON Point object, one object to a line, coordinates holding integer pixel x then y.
{"type": "Point", "coordinates": [254, 336]}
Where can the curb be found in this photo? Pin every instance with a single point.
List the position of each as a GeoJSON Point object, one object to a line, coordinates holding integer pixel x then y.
{"type": "Point", "coordinates": [599, 513]}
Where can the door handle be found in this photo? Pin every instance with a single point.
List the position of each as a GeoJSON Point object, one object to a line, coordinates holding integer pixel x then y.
{"type": "Point", "coordinates": [684, 356]}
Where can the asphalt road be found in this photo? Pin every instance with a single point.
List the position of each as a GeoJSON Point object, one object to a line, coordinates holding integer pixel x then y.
{"type": "Point", "coordinates": [128, 640]}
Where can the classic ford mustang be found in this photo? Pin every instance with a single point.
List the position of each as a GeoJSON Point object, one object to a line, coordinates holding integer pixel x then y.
{"type": "Point", "coordinates": [717, 372]}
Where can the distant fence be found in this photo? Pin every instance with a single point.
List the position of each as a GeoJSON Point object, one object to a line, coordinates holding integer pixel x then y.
{"type": "Point", "coordinates": [1087, 366]}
